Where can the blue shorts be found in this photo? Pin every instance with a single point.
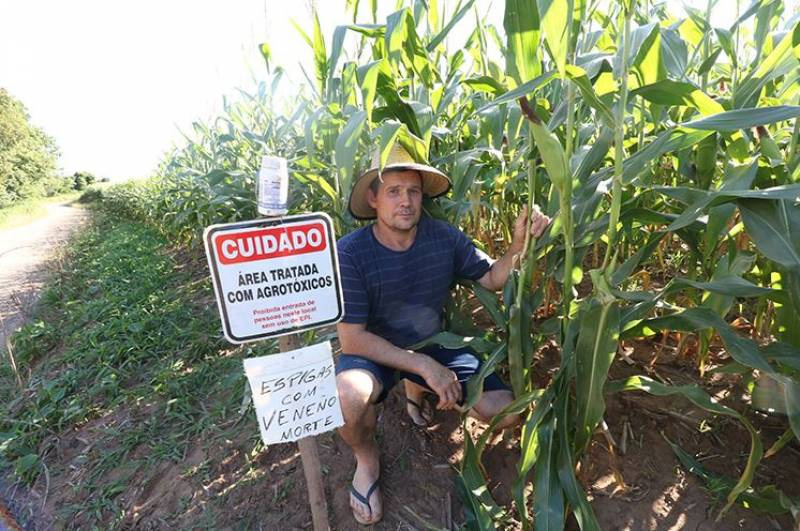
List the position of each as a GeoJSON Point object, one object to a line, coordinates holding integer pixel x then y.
{"type": "Point", "coordinates": [463, 362]}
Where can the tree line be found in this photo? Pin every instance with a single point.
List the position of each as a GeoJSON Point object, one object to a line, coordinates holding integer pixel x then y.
{"type": "Point", "coordinates": [28, 158]}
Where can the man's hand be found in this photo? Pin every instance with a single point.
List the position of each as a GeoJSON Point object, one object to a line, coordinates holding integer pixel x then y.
{"type": "Point", "coordinates": [444, 383]}
{"type": "Point", "coordinates": [537, 224]}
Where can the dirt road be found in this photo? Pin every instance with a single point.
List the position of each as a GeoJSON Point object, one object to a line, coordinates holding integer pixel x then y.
{"type": "Point", "coordinates": [24, 251]}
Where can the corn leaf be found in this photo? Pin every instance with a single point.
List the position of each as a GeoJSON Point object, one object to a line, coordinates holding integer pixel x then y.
{"type": "Point", "coordinates": [787, 317]}
{"type": "Point", "coordinates": [732, 285]}
{"type": "Point", "coordinates": [475, 383]}
{"type": "Point", "coordinates": [709, 62]}
{"type": "Point", "coordinates": [323, 185]}
{"type": "Point", "coordinates": [529, 449]}
{"type": "Point", "coordinates": [578, 76]}
{"type": "Point", "coordinates": [742, 349]}
{"type": "Point", "coordinates": [415, 146]}
{"type": "Point", "coordinates": [436, 40]}
{"type": "Point", "coordinates": [674, 53]}
{"type": "Point", "coordinates": [522, 90]}
{"type": "Point", "coordinates": [403, 46]}
{"type": "Point", "coordinates": [548, 501]}
{"type": "Point", "coordinates": [744, 118]}
{"type": "Point", "coordinates": [395, 105]}
{"type": "Point", "coordinates": [749, 12]}
{"type": "Point", "coordinates": [594, 352]}
{"type": "Point", "coordinates": [647, 65]}
{"type": "Point", "coordinates": [782, 353]}
{"type": "Point", "coordinates": [725, 39]}
{"type": "Point", "coordinates": [674, 139]}
{"type": "Point", "coordinates": [480, 506]}
{"type": "Point", "coordinates": [791, 392]}
{"type": "Point", "coordinates": [555, 18]}
{"type": "Point", "coordinates": [480, 509]}
{"type": "Point", "coordinates": [695, 210]}
{"type": "Point", "coordinates": [774, 227]}
{"type": "Point", "coordinates": [521, 22]}
{"type": "Point", "coordinates": [624, 271]}
{"type": "Point", "coordinates": [736, 178]}
{"type": "Point", "coordinates": [455, 341]}
{"type": "Point", "coordinates": [368, 80]}
{"type": "Point", "coordinates": [369, 30]}
{"type": "Point", "coordinates": [573, 491]}
{"type": "Point", "coordinates": [433, 15]}
{"type": "Point", "coordinates": [594, 157]}
{"type": "Point", "coordinates": [302, 32]}
{"type": "Point", "coordinates": [347, 145]}
{"type": "Point", "coordinates": [386, 135]}
{"type": "Point", "coordinates": [779, 61]}
{"type": "Point", "coordinates": [320, 55]}
{"type": "Point", "coordinates": [486, 84]}
{"type": "Point", "coordinates": [668, 92]}
{"type": "Point", "coordinates": [336, 49]}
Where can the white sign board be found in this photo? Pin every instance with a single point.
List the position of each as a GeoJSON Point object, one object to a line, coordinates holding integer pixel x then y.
{"type": "Point", "coordinates": [274, 276]}
{"type": "Point", "coordinates": [294, 393]}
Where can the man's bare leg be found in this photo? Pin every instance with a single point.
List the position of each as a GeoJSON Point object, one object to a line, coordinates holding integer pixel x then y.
{"type": "Point", "coordinates": [418, 408]}
{"type": "Point", "coordinates": [357, 390]}
{"type": "Point", "coordinates": [492, 403]}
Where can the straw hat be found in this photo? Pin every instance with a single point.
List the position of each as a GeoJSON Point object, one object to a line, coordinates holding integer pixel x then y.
{"type": "Point", "coordinates": [434, 182]}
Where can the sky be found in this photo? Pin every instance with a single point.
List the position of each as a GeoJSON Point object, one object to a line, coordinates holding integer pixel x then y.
{"type": "Point", "coordinates": [114, 82]}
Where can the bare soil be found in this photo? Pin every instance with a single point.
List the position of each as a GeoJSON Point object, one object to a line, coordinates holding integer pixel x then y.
{"type": "Point", "coordinates": [222, 484]}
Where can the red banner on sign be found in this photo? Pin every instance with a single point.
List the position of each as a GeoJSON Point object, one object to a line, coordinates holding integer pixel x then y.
{"type": "Point", "coordinates": [235, 248]}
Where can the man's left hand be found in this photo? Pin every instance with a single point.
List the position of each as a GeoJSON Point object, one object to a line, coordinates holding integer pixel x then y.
{"type": "Point", "coordinates": [538, 222]}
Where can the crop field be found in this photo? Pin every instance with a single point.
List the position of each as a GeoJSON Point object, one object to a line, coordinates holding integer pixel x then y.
{"type": "Point", "coordinates": [651, 335]}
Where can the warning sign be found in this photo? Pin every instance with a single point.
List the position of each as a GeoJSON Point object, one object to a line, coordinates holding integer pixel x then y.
{"type": "Point", "coordinates": [294, 393]}
{"type": "Point", "coordinates": [274, 276]}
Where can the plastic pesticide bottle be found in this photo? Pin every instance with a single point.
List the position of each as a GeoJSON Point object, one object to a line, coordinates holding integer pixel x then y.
{"type": "Point", "coordinates": [273, 186]}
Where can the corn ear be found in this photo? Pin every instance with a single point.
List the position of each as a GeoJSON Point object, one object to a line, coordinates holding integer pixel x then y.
{"type": "Point", "coordinates": [552, 153]}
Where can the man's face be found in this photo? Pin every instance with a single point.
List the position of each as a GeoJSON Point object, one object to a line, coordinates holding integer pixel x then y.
{"type": "Point", "coordinates": [398, 201]}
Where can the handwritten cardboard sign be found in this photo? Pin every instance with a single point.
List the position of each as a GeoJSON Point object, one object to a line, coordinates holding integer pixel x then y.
{"type": "Point", "coordinates": [274, 276]}
{"type": "Point", "coordinates": [294, 393]}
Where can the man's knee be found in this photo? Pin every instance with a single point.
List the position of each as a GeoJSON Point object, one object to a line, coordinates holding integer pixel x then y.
{"type": "Point", "coordinates": [357, 389]}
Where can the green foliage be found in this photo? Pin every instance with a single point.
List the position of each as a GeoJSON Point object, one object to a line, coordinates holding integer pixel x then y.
{"type": "Point", "coordinates": [27, 155]}
{"type": "Point", "coordinates": [82, 179]}
{"type": "Point", "coordinates": [91, 194]}
{"type": "Point", "coordinates": [125, 332]}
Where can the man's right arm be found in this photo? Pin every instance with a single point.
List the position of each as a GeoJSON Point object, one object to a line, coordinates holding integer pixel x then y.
{"type": "Point", "coordinates": [356, 339]}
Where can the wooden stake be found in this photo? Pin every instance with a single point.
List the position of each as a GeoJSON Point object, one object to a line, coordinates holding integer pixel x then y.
{"type": "Point", "coordinates": [309, 454]}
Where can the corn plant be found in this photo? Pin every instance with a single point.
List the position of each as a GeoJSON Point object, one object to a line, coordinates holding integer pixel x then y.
{"type": "Point", "coordinates": [565, 416]}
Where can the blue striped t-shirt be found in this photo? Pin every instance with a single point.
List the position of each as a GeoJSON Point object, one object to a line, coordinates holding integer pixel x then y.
{"type": "Point", "coordinates": [400, 295]}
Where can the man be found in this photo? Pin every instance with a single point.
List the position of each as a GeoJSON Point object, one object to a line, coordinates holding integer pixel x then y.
{"type": "Point", "coordinates": [396, 274]}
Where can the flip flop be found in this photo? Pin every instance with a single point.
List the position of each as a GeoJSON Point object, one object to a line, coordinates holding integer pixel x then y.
{"type": "Point", "coordinates": [423, 412]}
{"type": "Point", "coordinates": [365, 500]}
